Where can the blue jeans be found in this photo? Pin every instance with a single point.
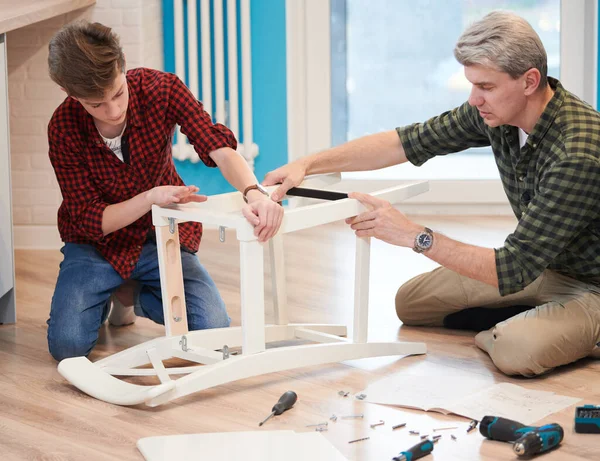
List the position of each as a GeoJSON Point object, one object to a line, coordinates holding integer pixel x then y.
{"type": "Point", "coordinates": [86, 280]}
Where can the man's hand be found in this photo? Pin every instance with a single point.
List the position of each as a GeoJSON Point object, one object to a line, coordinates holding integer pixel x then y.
{"type": "Point", "coordinates": [264, 214]}
{"type": "Point", "coordinates": [167, 195]}
{"type": "Point", "coordinates": [290, 175]}
{"type": "Point", "coordinates": [383, 222]}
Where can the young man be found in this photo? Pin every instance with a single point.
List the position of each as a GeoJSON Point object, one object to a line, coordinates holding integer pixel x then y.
{"type": "Point", "coordinates": [110, 146]}
{"type": "Point", "coordinates": [536, 300]}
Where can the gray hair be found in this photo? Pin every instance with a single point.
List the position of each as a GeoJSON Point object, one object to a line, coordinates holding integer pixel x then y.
{"type": "Point", "coordinates": [505, 41]}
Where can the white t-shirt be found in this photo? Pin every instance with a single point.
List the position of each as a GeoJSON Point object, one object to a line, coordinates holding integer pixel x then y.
{"type": "Point", "coordinates": [115, 144]}
{"type": "Point", "coordinates": [522, 138]}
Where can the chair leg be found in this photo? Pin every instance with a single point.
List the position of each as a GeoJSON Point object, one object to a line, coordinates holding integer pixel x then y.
{"type": "Point", "coordinates": [252, 279]}
{"type": "Point", "coordinates": [278, 280]}
{"type": "Point", "coordinates": [361, 290]}
{"type": "Point", "coordinates": [171, 279]}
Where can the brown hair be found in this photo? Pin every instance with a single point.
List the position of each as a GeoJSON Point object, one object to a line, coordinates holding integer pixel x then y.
{"type": "Point", "coordinates": [85, 59]}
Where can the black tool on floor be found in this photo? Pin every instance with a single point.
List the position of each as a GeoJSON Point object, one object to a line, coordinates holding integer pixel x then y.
{"type": "Point", "coordinates": [418, 451]}
{"type": "Point", "coordinates": [285, 402]}
{"type": "Point", "coordinates": [316, 193]}
{"type": "Point", "coordinates": [542, 438]}
{"type": "Point", "coordinates": [587, 419]}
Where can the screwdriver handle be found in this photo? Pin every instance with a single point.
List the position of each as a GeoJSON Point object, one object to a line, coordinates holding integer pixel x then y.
{"type": "Point", "coordinates": [285, 402]}
{"type": "Point", "coordinates": [502, 429]}
{"type": "Point", "coordinates": [418, 451]}
{"type": "Point", "coordinates": [542, 439]}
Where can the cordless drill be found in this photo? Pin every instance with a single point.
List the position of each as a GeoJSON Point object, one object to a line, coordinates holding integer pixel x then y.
{"type": "Point", "coordinates": [528, 440]}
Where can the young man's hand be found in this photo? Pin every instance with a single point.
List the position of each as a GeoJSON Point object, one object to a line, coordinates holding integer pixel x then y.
{"type": "Point", "coordinates": [290, 175]}
{"type": "Point", "coordinates": [167, 195]}
{"type": "Point", "coordinates": [264, 214]}
{"type": "Point", "coordinates": [383, 222]}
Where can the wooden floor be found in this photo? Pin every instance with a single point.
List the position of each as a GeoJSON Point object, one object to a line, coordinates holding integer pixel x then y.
{"type": "Point", "coordinates": [43, 417]}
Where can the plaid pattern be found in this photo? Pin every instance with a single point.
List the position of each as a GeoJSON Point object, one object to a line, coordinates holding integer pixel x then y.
{"type": "Point", "coordinates": [552, 184]}
{"type": "Point", "coordinates": [91, 177]}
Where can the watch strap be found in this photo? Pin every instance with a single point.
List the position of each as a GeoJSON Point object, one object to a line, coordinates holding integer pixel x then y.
{"type": "Point", "coordinates": [253, 187]}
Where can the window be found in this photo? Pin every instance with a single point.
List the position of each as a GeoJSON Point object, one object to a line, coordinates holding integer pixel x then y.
{"type": "Point", "coordinates": [392, 64]}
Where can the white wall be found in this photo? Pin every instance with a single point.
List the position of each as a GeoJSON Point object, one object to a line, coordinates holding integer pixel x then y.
{"type": "Point", "coordinates": [33, 98]}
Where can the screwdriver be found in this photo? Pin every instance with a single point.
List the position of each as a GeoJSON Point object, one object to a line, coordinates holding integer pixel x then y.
{"type": "Point", "coordinates": [416, 452]}
{"type": "Point", "coordinates": [543, 439]}
{"type": "Point", "coordinates": [285, 402]}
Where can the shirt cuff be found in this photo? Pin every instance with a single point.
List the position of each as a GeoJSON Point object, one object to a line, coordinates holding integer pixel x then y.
{"type": "Point", "coordinates": [219, 137]}
{"type": "Point", "coordinates": [91, 223]}
{"type": "Point", "coordinates": [509, 272]}
{"type": "Point", "coordinates": [409, 137]}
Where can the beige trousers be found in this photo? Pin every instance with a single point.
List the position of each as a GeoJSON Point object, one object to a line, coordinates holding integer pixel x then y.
{"type": "Point", "coordinates": [563, 327]}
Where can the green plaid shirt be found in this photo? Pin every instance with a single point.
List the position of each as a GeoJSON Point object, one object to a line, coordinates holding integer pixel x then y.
{"type": "Point", "coordinates": [552, 184]}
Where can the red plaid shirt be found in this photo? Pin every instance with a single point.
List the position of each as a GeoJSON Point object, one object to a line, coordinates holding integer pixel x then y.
{"type": "Point", "coordinates": [91, 176]}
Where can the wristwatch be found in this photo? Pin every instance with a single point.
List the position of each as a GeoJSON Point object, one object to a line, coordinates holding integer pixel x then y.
{"type": "Point", "coordinates": [258, 187]}
{"type": "Point", "coordinates": [423, 241]}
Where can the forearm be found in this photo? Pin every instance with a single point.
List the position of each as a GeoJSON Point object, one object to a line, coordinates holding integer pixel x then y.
{"type": "Point", "coordinates": [371, 152]}
{"type": "Point", "coordinates": [122, 214]}
{"type": "Point", "coordinates": [469, 260]}
{"type": "Point", "coordinates": [234, 168]}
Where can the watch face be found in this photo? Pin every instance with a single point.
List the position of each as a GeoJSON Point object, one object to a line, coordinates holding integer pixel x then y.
{"type": "Point", "coordinates": [424, 240]}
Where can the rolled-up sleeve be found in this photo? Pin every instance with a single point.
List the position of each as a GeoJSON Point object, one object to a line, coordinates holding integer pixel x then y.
{"type": "Point", "coordinates": [452, 131]}
{"type": "Point", "coordinates": [185, 110]}
{"type": "Point", "coordinates": [80, 196]}
{"type": "Point", "coordinates": [565, 204]}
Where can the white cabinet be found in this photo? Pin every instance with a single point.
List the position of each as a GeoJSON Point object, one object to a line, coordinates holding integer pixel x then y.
{"type": "Point", "coordinates": [7, 273]}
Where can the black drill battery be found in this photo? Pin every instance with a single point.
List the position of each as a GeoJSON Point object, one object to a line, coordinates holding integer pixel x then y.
{"type": "Point", "coordinates": [587, 419]}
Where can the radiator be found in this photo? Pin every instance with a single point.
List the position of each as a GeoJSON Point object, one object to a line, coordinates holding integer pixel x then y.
{"type": "Point", "coordinates": [224, 111]}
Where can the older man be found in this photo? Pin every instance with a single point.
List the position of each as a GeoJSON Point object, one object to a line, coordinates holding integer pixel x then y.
{"type": "Point", "coordinates": [536, 300]}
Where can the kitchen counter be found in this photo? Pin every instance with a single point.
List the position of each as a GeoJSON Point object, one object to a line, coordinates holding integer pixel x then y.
{"type": "Point", "coordinates": [20, 13]}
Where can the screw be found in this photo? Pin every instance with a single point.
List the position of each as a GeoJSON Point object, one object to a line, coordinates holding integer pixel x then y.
{"type": "Point", "coordinates": [359, 440]}
{"type": "Point", "coordinates": [413, 432]}
{"type": "Point", "coordinates": [398, 426]}
{"type": "Point", "coordinates": [320, 424]}
{"type": "Point", "coordinates": [423, 437]}
{"type": "Point", "coordinates": [361, 396]}
{"type": "Point", "coordinates": [333, 418]}
{"type": "Point", "coordinates": [353, 416]}
{"type": "Point", "coordinates": [453, 437]}
{"type": "Point", "coordinates": [436, 437]}
{"type": "Point", "coordinates": [321, 429]}
{"type": "Point", "coordinates": [343, 393]}
{"type": "Point", "coordinates": [380, 423]}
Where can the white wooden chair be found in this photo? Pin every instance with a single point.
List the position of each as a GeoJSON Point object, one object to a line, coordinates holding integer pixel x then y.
{"type": "Point", "coordinates": [209, 348]}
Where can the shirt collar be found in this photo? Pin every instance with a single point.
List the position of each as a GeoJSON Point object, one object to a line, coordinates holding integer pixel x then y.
{"type": "Point", "coordinates": [550, 112]}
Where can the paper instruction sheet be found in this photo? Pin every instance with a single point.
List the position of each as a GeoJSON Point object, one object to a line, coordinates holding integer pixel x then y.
{"type": "Point", "coordinates": [470, 397]}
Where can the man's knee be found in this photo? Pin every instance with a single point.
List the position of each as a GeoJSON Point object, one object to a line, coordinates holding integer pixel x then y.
{"type": "Point", "coordinates": [68, 344]}
{"type": "Point", "coordinates": [406, 304]}
{"type": "Point", "coordinates": [520, 354]}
